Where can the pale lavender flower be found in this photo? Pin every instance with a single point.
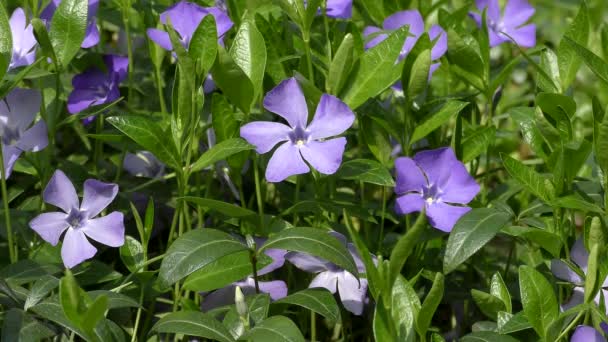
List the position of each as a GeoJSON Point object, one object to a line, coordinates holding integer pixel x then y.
{"type": "Point", "coordinates": [95, 87]}
{"type": "Point", "coordinates": [585, 333]}
{"type": "Point", "coordinates": [91, 37]}
{"type": "Point", "coordinates": [512, 22]}
{"type": "Point", "coordinates": [78, 218]}
{"type": "Point", "coordinates": [353, 292]}
{"type": "Point", "coordinates": [143, 164]}
{"type": "Point", "coordinates": [24, 42]}
{"type": "Point", "coordinates": [17, 112]}
{"type": "Point", "coordinates": [299, 140]}
{"type": "Point", "coordinates": [437, 181]}
{"type": "Point", "coordinates": [339, 9]}
{"type": "Point", "coordinates": [185, 17]}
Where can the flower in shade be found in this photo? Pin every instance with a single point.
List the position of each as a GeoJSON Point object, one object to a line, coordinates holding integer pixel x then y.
{"type": "Point", "coordinates": [339, 9]}
{"type": "Point", "coordinates": [333, 278]}
{"type": "Point", "coordinates": [185, 17]}
{"type": "Point", "coordinates": [510, 24]}
{"type": "Point", "coordinates": [413, 19]}
{"type": "Point", "coordinates": [24, 42]}
{"type": "Point", "coordinates": [79, 218]}
{"type": "Point", "coordinates": [437, 181]}
{"type": "Point", "coordinates": [563, 271]}
{"type": "Point", "coordinates": [95, 87]}
{"type": "Point", "coordinates": [585, 333]}
{"type": "Point", "coordinates": [143, 164]}
{"type": "Point", "coordinates": [17, 112]}
{"type": "Point", "coordinates": [299, 140]}
{"type": "Point", "coordinates": [91, 37]}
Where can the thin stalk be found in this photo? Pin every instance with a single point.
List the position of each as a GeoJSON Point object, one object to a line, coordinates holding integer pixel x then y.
{"type": "Point", "coordinates": [313, 326]}
{"type": "Point", "coordinates": [137, 316]}
{"type": "Point", "coordinates": [571, 325]}
{"type": "Point", "coordinates": [125, 19]}
{"type": "Point", "coordinates": [306, 38]}
{"type": "Point", "coordinates": [258, 192]}
{"type": "Point", "coordinates": [296, 199]}
{"type": "Point", "coordinates": [381, 237]}
{"type": "Point", "coordinates": [7, 216]}
{"type": "Point", "coordinates": [159, 88]}
{"type": "Point", "coordinates": [254, 261]}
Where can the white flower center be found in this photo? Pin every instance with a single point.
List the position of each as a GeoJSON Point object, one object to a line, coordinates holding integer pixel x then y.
{"type": "Point", "coordinates": [300, 143]}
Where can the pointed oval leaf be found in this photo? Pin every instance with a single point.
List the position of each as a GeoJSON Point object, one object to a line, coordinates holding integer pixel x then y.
{"type": "Point", "coordinates": [367, 171]}
{"type": "Point", "coordinates": [318, 300]}
{"type": "Point", "coordinates": [437, 119]}
{"type": "Point", "coordinates": [68, 28]}
{"type": "Point", "coordinates": [221, 151]}
{"type": "Point", "coordinates": [538, 299]}
{"type": "Point", "coordinates": [6, 42]}
{"type": "Point", "coordinates": [248, 51]}
{"type": "Point", "coordinates": [193, 323]}
{"type": "Point", "coordinates": [276, 329]}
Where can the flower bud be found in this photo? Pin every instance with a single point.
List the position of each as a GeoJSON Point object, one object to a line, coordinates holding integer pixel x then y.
{"type": "Point", "coordinates": [241, 304]}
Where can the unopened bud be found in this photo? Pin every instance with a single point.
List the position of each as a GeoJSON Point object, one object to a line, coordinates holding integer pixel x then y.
{"type": "Point", "coordinates": [241, 304]}
{"type": "Point", "coordinates": [250, 242]}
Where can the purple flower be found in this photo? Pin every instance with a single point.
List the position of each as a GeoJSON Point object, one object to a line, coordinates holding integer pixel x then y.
{"type": "Point", "coordinates": [95, 87]}
{"type": "Point", "coordinates": [143, 164]}
{"type": "Point", "coordinates": [332, 277]}
{"type": "Point", "coordinates": [91, 37]}
{"type": "Point", "coordinates": [562, 270]}
{"type": "Point", "coordinates": [17, 112]}
{"type": "Point", "coordinates": [413, 19]}
{"type": "Point", "coordinates": [79, 218]}
{"type": "Point", "coordinates": [585, 333]}
{"type": "Point", "coordinates": [516, 14]}
{"type": "Point", "coordinates": [339, 9]}
{"type": "Point", "coordinates": [437, 181]}
{"type": "Point", "coordinates": [332, 117]}
{"type": "Point", "coordinates": [24, 42]}
{"type": "Point", "coordinates": [185, 17]}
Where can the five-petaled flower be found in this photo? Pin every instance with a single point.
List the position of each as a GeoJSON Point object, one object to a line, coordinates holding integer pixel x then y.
{"type": "Point", "coordinates": [331, 277]}
{"type": "Point", "coordinates": [413, 19]}
{"type": "Point", "coordinates": [300, 140]}
{"type": "Point", "coordinates": [24, 42]}
{"type": "Point", "coordinates": [510, 24]}
{"type": "Point", "coordinates": [437, 181]}
{"type": "Point", "coordinates": [91, 37]}
{"type": "Point", "coordinates": [95, 87]}
{"type": "Point", "coordinates": [585, 333]}
{"type": "Point", "coordinates": [17, 112]}
{"type": "Point", "coordinates": [79, 218]}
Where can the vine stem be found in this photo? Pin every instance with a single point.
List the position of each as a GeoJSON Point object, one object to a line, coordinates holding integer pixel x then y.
{"type": "Point", "coordinates": [313, 326]}
{"type": "Point", "coordinates": [7, 217]}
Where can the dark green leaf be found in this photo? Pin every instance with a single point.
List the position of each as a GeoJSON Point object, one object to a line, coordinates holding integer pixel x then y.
{"type": "Point", "coordinates": [419, 74]}
{"type": "Point", "coordinates": [487, 336]}
{"type": "Point", "coordinates": [404, 247]}
{"type": "Point", "coordinates": [219, 206]}
{"type": "Point", "coordinates": [233, 81]}
{"type": "Point", "coordinates": [530, 179]}
{"type": "Point", "coordinates": [367, 171]}
{"type": "Point", "coordinates": [219, 152]}
{"type": "Point", "coordinates": [383, 329]}
{"type": "Point", "coordinates": [477, 143]}
{"type": "Point", "coordinates": [601, 144]}
{"type": "Point", "coordinates": [225, 125]}
{"type": "Point", "coordinates": [569, 61]}
{"type": "Point", "coordinates": [95, 313]}
{"type": "Point", "coordinates": [437, 119]}
{"type": "Point", "coordinates": [405, 308]}
{"type": "Point", "coordinates": [248, 51]}
{"type": "Point", "coordinates": [71, 298]}
{"type": "Point", "coordinates": [132, 254]}
{"type": "Point", "coordinates": [340, 66]}
{"type": "Point", "coordinates": [275, 328]}
{"type": "Point", "coordinates": [509, 323]}
{"type": "Point", "coordinates": [193, 323]}
{"type": "Point", "coordinates": [489, 304]}
{"type": "Point", "coordinates": [576, 202]}
{"type": "Point", "coordinates": [203, 45]}
{"type": "Point", "coordinates": [538, 299]}
{"type": "Point", "coordinates": [430, 304]}
{"type": "Point", "coordinates": [68, 28]}
{"type": "Point", "coordinates": [40, 289]}
{"type": "Point", "coordinates": [115, 300]}
{"type": "Point", "coordinates": [320, 301]}
{"type": "Point", "coordinates": [6, 42]}
{"type": "Point", "coordinates": [499, 289]}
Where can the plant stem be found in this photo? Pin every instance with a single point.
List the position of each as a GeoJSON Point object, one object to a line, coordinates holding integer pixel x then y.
{"type": "Point", "coordinates": [571, 325]}
{"type": "Point", "coordinates": [125, 19]}
{"type": "Point", "coordinates": [306, 38]}
{"type": "Point", "coordinates": [7, 215]}
{"type": "Point", "coordinates": [258, 192]}
{"type": "Point", "coordinates": [159, 88]}
{"type": "Point", "coordinates": [313, 326]}
{"type": "Point", "coordinates": [137, 316]}
{"type": "Point", "coordinates": [381, 236]}
{"type": "Point", "coordinates": [296, 199]}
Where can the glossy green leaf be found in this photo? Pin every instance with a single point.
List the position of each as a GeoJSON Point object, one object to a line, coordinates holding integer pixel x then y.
{"type": "Point", "coordinates": [487, 336]}
{"type": "Point", "coordinates": [382, 324]}
{"type": "Point", "coordinates": [225, 125]}
{"type": "Point", "coordinates": [227, 209]}
{"type": "Point", "coordinates": [430, 304]}
{"type": "Point", "coordinates": [499, 289]}
{"type": "Point", "coordinates": [509, 323]}
{"type": "Point", "coordinates": [592, 278]}
{"type": "Point", "coordinates": [435, 120]}
{"type": "Point", "coordinates": [466, 60]}
{"type": "Point", "coordinates": [489, 304]}
{"type": "Point", "coordinates": [132, 254]}
{"type": "Point", "coordinates": [40, 289]}
{"type": "Point", "coordinates": [340, 66]}
{"type": "Point", "coordinates": [471, 233]}
{"type": "Point", "coordinates": [477, 143]}
{"type": "Point", "coordinates": [419, 74]}
{"type": "Point", "coordinates": [71, 298]}
{"type": "Point", "coordinates": [601, 144]}
{"type": "Point", "coordinates": [376, 139]}
{"type": "Point", "coordinates": [317, 300]}
{"type": "Point", "coordinates": [115, 300]}
{"type": "Point", "coordinates": [203, 45]}
{"type": "Point", "coordinates": [6, 42]}
{"type": "Point", "coordinates": [219, 152]}
{"type": "Point", "coordinates": [569, 61]}
{"type": "Point", "coordinates": [367, 171]}
{"type": "Point", "coordinates": [525, 117]}
{"type": "Point", "coordinates": [68, 27]}
{"type": "Point", "coordinates": [576, 202]}
{"type": "Point", "coordinates": [593, 61]}
{"type": "Point", "coordinates": [275, 328]}
{"type": "Point", "coordinates": [248, 51]}
{"type": "Point", "coordinates": [538, 299]}
{"type": "Point", "coordinates": [530, 179]}
{"type": "Point", "coordinates": [193, 323]}
{"type": "Point", "coordinates": [233, 81]}
{"type": "Point", "coordinates": [404, 309]}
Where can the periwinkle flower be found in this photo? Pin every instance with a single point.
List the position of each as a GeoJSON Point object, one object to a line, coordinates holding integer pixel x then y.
{"type": "Point", "coordinates": [333, 278]}
{"type": "Point", "coordinates": [585, 333]}
{"type": "Point", "coordinates": [516, 14]}
{"type": "Point", "coordinates": [78, 218]}
{"type": "Point", "coordinates": [299, 140]}
{"type": "Point", "coordinates": [91, 37]}
{"type": "Point", "coordinates": [413, 19]}
{"type": "Point", "coordinates": [339, 9]}
{"type": "Point", "coordinates": [95, 87]}
{"type": "Point", "coordinates": [17, 112]}
{"type": "Point", "coordinates": [24, 42]}
{"type": "Point", "coordinates": [143, 164]}
{"type": "Point", "coordinates": [185, 17]}
{"type": "Point", "coordinates": [435, 180]}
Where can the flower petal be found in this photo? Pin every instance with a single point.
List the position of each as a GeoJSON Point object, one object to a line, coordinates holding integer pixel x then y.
{"type": "Point", "coordinates": [585, 333]}
{"type": "Point", "coordinates": [23, 104]}
{"type": "Point", "coordinates": [436, 165]}
{"type": "Point", "coordinates": [524, 36]}
{"type": "Point", "coordinates": [60, 192]}
{"type": "Point", "coordinates": [352, 294]}
{"type": "Point", "coordinates": [460, 187]}
{"type": "Point", "coordinates": [287, 100]}
{"type": "Point", "coordinates": [97, 196]}
{"type": "Point", "coordinates": [277, 289]}
{"type": "Point", "coordinates": [79, 100]}
{"type": "Point", "coordinates": [91, 37]}
{"type": "Point", "coordinates": [264, 135]}
{"type": "Point", "coordinates": [441, 44]}
{"type": "Point", "coordinates": [340, 9]}
{"type": "Point", "coordinates": [109, 230]}
{"type": "Point", "coordinates": [324, 156]}
{"type": "Point", "coordinates": [413, 19]}
{"type": "Point", "coordinates": [35, 138]}
{"type": "Point", "coordinates": [332, 117]}
{"type": "Point", "coordinates": [579, 254]}
{"type": "Point", "coordinates": [50, 226]}
{"type": "Point", "coordinates": [307, 262]}
{"type": "Point", "coordinates": [326, 280]}
{"type": "Point", "coordinates": [409, 176]}
{"type": "Point", "coordinates": [221, 297]}
{"type": "Point", "coordinates": [286, 161]}
{"type": "Point", "coordinates": [160, 37]}
{"type": "Point", "coordinates": [10, 154]}
{"type": "Point", "coordinates": [371, 37]}
{"type": "Point", "coordinates": [562, 271]}
{"type": "Point", "coordinates": [444, 216]}
{"type": "Point", "coordinates": [118, 66]}
{"type": "Point", "coordinates": [517, 12]}
{"type": "Point", "coordinates": [577, 297]}
{"type": "Point", "coordinates": [409, 203]}
{"type": "Point", "coordinates": [76, 248]}
{"type": "Point", "coordinates": [493, 8]}
{"type": "Point", "coordinates": [278, 259]}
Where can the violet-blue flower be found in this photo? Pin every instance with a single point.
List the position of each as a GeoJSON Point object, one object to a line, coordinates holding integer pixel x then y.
{"type": "Point", "coordinates": [91, 37]}
{"type": "Point", "coordinates": [352, 293]}
{"type": "Point", "coordinates": [185, 17]}
{"type": "Point", "coordinates": [299, 140]}
{"type": "Point", "coordinates": [512, 22]}
{"type": "Point", "coordinates": [435, 180]}
{"type": "Point", "coordinates": [585, 333]}
{"type": "Point", "coordinates": [24, 42]}
{"type": "Point", "coordinates": [95, 87]}
{"type": "Point", "coordinates": [78, 218]}
{"type": "Point", "coordinates": [143, 164]}
{"type": "Point", "coordinates": [17, 112]}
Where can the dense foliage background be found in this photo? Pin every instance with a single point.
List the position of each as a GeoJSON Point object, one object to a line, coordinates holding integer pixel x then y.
{"type": "Point", "coordinates": [288, 170]}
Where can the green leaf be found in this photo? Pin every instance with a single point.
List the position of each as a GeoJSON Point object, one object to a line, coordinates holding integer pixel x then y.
{"type": "Point", "coordinates": [601, 144]}
{"type": "Point", "coordinates": [317, 300]}
{"type": "Point", "coordinates": [569, 62]}
{"type": "Point", "coordinates": [471, 233]}
{"type": "Point", "coordinates": [315, 242]}
{"type": "Point", "coordinates": [499, 289]}
{"type": "Point", "coordinates": [94, 313]}
{"type": "Point", "coordinates": [68, 28]}
{"type": "Point", "coordinates": [538, 299]}
{"type": "Point", "coordinates": [592, 276]}
{"type": "Point", "coordinates": [203, 45]}
{"type": "Point", "coordinates": [549, 79]}
{"type": "Point", "coordinates": [560, 109]}
{"type": "Point", "coordinates": [115, 300]}
{"type": "Point", "coordinates": [530, 179]}
{"type": "Point", "coordinates": [13, 320]}
{"type": "Point", "coordinates": [340, 66]}
{"type": "Point", "coordinates": [375, 70]}
{"type": "Point", "coordinates": [382, 324]}
{"type": "Point", "coordinates": [276, 329]}
{"type": "Point", "coordinates": [39, 290]}
{"type": "Point", "coordinates": [419, 74]}
{"type": "Point", "coordinates": [193, 323]}
{"type": "Point", "coordinates": [430, 304]}
{"type": "Point", "coordinates": [487, 336]}
{"type": "Point", "coordinates": [132, 254]}
{"type": "Point", "coordinates": [509, 323]}
{"type": "Point", "coordinates": [526, 118]}
{"type": "Point", "coordinates": [219, 152]}
{"type": "Point", "coordinates": [466, 60]}
{"type": "Point", "coordinates": [489, 304]}
{"type": "Point", "coordinates": [593, 61]}
{"type": "Point", "coordinates": [367, 171]}
{"type": "Point", "coordinates": [437, 119]}
{"type": "Point", "coordinates": [225, 125]}
{"type": "Point", "coordinates": [576, 202]}
{"type": "Point", "coordinates": [194, 250]}
{"type": "Point", "coordinates": [71, 298]}
{"type": "Point", "coordinates": [404, 247]}
{"type": "Point", "coordinates": [376, 139]}
{"type": "Point", "coordinates": [233, 81]}
{"type": "Point", "coordinates": [477, 143]}
{"type": "Point", "coordinates": [227, 209]}
{"type": "Point", "coordinates": [6, 42]}
{"type": "Point", "coordinates": [405, 308]}
{"type": "Point", "coordinates": [248, 51]}
{"type": "Point", "coordinates": [149, 135]}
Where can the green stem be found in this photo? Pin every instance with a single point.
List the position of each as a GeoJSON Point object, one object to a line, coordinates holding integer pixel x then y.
{"type": "Point", "coordinates": [7, 215]}
{"type": "Point", "coordinates": [306, 38]}
{"type": "Point", "coordinates": [98, 144]}
{"type": "Point", "coordinates": [313, 326]}
{"type": "Point", "coordinates": [381, 236]}
{"type": "Point", "coordinates": [296, 199]}
{"type": "Point", "coordinates": [159, 88]}
{"type": "Point", "coordinates": [258, 192]}
{"type": "Point", "coordinates": [125, 19]}
{"type": "Point", "coordinates": [137, 316]}
{"type": "Point", "coordinates": [571, 325]}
